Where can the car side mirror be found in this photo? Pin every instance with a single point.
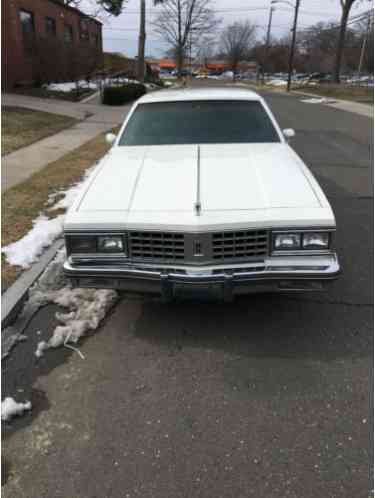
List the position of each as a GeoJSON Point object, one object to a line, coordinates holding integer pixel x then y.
{"type": "Point", "coordinates": [289, 133]}
{"type": "Point", "coordinates": [110, 138]}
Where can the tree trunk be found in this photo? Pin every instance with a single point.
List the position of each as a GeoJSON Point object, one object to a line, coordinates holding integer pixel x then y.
{"type": "Point", "coordinates": [180, 61]}
{"type": "Point", "coordinates": [141, 43]}
{"type": "Point", "coordinates": [341, 42]}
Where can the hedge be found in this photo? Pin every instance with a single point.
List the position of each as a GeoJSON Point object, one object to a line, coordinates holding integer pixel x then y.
{"type": "Point", "coordinates": [118, 95]}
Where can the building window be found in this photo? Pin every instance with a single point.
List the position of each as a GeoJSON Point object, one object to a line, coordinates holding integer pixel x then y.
{"type": "Point", "coordinates": [83, 30]}
{"type": "Point", "coordinates": [28, 31]}
{"type": "Point", "coordinates": [50, 26]}
{"type": "Point", "coordinates": [68, 33]}
{"type": "Point", "coordinates": [27, 22]}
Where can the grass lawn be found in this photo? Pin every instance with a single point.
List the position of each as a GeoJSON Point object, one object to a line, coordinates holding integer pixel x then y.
{"type": "Point", "coordinates": [22, 127]}
{"type": "Point", "coordinates": [357, 94]}
{"type": "Point", "coordinates": [21, 205]}
{"type": "Point", "coordinates": [363, 95]}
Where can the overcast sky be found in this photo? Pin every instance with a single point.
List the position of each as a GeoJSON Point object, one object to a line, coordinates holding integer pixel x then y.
{"type": "Point", "coordinates": [120, 33]}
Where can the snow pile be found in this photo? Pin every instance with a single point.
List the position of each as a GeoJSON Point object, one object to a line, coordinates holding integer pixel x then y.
{"type": "Point", "coordinates": [26, 250]}
{"type": "Point", "coordinates": [120, 80]}
{"type": "Point", "coordinates": [10, 408]}
{"type": "Point", "coordinates": [70, 86]}
{"type": "Point", "coordinates": [85, 308]}
{"type": "Point", "coordinates": [168, 83]}
{"type": "Point", "coordinates": [45, 231]}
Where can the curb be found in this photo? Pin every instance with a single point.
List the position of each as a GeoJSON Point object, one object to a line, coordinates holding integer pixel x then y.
{"type": "Point", "coordinates": [15, 296]}
{"type": "Point", "coordinates": [91, 97]}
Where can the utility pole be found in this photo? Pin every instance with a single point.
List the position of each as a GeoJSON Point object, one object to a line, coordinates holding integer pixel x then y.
{"type": "Point", "coordinates": [141, 43]}
{"type": "Point", "coordinates": [292, 47]}
{"type": "Point", "coordinates": [190, 55]}
{"type": "Point", "coordinates": [364, 43]}
{"type": "Point", "coordinates": [268, 39]}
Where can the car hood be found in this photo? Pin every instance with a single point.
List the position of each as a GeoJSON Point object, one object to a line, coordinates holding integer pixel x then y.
{"type": "Point", "coordinates": [162, 184]}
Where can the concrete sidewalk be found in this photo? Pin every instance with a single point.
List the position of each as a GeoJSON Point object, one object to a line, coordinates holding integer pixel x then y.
{"type": "Point", "coordinates": [19, 165]}
{"type": "Point", "coordinates": [345, 105]}
{"type": "Point", "coordinates": [78, 110]}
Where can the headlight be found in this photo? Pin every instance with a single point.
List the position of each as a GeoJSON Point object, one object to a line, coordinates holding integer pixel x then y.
{"type": "Point", "coordinates": [292, 241]}
{"type": "Point", "coordinates": [110, 243]}
{"type": "Point", "coordinates": [288, 241]}
{"type": "Point", "coordinates": [315, 240]}
{"type": "Point", "coordinates": [81, 244]}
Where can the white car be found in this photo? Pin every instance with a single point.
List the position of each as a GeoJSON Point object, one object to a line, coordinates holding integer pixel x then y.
{"type": "Point", "coordinates": [201, 194]}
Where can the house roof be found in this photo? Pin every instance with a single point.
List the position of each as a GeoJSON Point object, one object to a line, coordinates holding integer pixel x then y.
{"type": "Point", "coordinates": [167, 63]}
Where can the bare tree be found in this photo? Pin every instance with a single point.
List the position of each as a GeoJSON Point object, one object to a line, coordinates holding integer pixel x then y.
{"type": "Point", "coordinates": [236, 41]}
{"type": "Point", "coordinates": [180, 19]}
{"type": "Point", "coordinates": [346, 6]}
{"type": "Point", "coordinates": [205, 50]}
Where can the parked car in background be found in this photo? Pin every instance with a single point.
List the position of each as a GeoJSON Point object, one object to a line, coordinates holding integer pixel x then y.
{"type": "Point", "coordinates": [186, 204]}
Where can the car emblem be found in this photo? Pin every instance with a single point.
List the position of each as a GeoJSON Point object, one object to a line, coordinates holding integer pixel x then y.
{"type": "Point", "coordinates": [197, 248]}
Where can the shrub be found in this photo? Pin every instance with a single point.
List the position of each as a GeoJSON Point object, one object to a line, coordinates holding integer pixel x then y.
{"type": "Point", "coordinates": [119, 95]}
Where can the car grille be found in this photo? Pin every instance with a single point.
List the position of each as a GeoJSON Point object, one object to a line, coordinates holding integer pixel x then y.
{"type": "Point", "coordinates": [166, 246]}
{"type": "Point", "coordinates": [198, 248]}
{"type": "Point", "coordinates": [239, 245]}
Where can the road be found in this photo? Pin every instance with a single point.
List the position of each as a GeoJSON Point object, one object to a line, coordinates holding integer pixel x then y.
{"type": "Point", "coordinates": [268, 396]}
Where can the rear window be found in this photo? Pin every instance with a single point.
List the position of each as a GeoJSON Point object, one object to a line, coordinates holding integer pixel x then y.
{"type": "Point", "coordinates": [199, 122]}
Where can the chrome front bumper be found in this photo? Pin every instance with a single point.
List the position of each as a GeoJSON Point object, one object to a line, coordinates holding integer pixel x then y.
{"type": "Point", "coordinates": [275, 274]}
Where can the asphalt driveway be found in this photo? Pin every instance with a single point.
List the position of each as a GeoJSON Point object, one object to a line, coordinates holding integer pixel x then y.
{"type": "Point", "coordinates": [267, 397]}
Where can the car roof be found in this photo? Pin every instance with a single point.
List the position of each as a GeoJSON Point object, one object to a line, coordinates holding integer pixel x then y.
{"type": "Point", "coordinates": [187, 94]}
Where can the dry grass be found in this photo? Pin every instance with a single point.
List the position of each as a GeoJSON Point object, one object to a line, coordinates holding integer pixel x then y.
{"type": "Point", "coordinates": [22, 127]}
{"type": "Point", "coordinates": [357, 94]}
{"type": "Point", "coordinates": [22, 203]}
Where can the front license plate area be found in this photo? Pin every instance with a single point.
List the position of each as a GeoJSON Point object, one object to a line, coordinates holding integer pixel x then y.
{"type": "Point", "coordinates": [198, 292]}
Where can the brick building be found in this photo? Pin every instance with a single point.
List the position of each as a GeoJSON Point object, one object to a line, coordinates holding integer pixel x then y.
{"type": "Point", "coordinates": [45, 40]}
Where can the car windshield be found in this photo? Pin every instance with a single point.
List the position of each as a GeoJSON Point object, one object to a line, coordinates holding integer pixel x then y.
{"type": "Point", "coordinates": [199, 122]}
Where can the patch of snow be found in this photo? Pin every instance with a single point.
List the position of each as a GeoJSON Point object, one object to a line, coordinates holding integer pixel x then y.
{"type": "Point", "coordinates": [120, 80]}
{"type": "Point", "coordinates": [42, 346]}
{"type": "Point", "coordinates": [69, 195]}
{"type": "Point", "coordinates": [70, 86]}
{"type": "Point", "coordinates": [27, 250]}
{"type": "Point", "coordinates": [318, 100]}
{"type": "Point", "coordinates": [10, 408]}
{"type": "Point", "coordinates": [85, 308]}
{"type": "Point", "coordinates": [45, 231]}
{"type": "Point", "coordinates": [168, 83]}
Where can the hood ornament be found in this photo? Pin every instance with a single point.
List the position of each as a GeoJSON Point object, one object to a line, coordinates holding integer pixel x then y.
{"type": "Point", "coordinates": [198, 204]}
